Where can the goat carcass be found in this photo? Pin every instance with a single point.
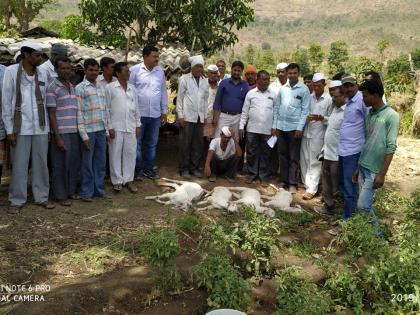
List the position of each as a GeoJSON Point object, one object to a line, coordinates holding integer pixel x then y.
{"type": "Point", "coordinates": [218, 198]}
{"type": "Point", "coordinates": [281, 200]}
{"type": "Point", "coordinates": [249, 197]}
{"type": "Point", "coordinates": [183, 196]}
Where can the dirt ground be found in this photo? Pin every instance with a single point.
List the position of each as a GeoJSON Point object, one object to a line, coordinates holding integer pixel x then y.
{"type": "Point", "coordinates": [43, 247]}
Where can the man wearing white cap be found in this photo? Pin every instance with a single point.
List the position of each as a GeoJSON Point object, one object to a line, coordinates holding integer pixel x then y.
{"type": "Point", "coordinates": [27, 127]}
{"type": "Point", "coordinates": [213, 81]}
{"type": "Point", "coordinates": [281, 77]}
{"type": "Point", "coordinates": [223, 156]}
{"type": "Point", "coordinates": [329, 154]}
{"type": "Point", "coordinates": [48, 66]}
{"type": "Point", "coordinates": [320, 107]}
{"type": "Point", "coordinates": [191, 108]}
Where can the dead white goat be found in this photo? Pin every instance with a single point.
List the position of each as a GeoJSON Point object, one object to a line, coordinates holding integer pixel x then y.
{"type": "Point", "coordinates": [183, 196]}
{"type": "Point", "coordinates": [281, 200]}
{"type": "Point", "coordinates": [218, 198]}
{"type": "Point", "coordinates": [249, 197]}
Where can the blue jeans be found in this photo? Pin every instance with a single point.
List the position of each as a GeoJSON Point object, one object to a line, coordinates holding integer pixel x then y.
{"type": "Point", "coordinates": [92, 172]}
{"type": "Point", "coordinates": [347, 166]}
{"type": "Point", "coordinates": [145, 158]}
{"type": "Point", "coordinates": [366, 195]}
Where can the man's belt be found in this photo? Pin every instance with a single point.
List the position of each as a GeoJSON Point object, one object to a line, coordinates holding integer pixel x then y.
{"type": "Point", "coordinates": [231, 113]}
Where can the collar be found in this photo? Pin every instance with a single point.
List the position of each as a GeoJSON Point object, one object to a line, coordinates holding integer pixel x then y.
{"type": "Point", "coordinates": [296, 86]}
{"type": "Point", "coordinates": [343, 107]}
{"type": "Point", "coordinates": [230, 80]}
{"type": "Point", "coordinates": [117, 84]}
{"type": "Point", "coordinates": [371, 111]}
{"type": "Point", "coordinates": [49, 64]}
{"type": "Point", "coordinates": [321, 97]}
{"type": "Point", "coordinates": [143, 66]}
{"type": "Point", "coordinates": [59, 83]}
{"type": "Point", "coordinates": [87, 82]}
{"type": "Point", "coordinates": [356, 97]}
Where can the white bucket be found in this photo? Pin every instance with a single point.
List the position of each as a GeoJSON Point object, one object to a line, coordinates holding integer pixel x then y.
{"type": "Point", "coordinates": [225, 311]}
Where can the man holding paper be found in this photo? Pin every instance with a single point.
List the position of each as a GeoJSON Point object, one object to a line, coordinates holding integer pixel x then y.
{"type": "Point", "coordinates": [257, 115]}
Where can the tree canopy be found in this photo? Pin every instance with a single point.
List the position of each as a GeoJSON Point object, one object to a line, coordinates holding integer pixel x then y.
{"type": "Point", "coordinates": [205, 25]}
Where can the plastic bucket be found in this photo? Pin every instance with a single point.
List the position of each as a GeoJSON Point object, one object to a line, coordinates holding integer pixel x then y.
{"type": "Point", "coordinates": [226, 312]}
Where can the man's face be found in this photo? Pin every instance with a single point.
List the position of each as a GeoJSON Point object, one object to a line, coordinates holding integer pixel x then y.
{"type": "Point", "coordinates": [318, 87]}
{"type": "Point", "coordinates": [222, 68]}
{"type": "Point", "coordinates": [350, 89]}
{"type": "Point", "coordinates": [197, 71]}
{"type": "Point", "coordinates": [152, 59]}
{"type": "Point", "coordinates": [91, 73]}
{"type": "Point", "coordinates": [34, 58]}
{"type": "Point", "coordinates": [109, 69]}
{"type": "Point", "coordinates": [223, 139]}
{"type": "Point", "coordinates": [368, 98]}
{"type": "Point", "coordinates": [282, 74]}
{"type": "Point", "coordinates": [251, 78]}
{"type": "Point", "coordinates": [293, 75]}
{"type": "Point", "coordinates": [263, 82]}
{"type": "Point", "coordinates": [213, 76]}
{"type": "Point", "coordinates": [124, 75]}
{"type": "Point", "coordinates": [64, 70]}
{"type": "Point", "coordinates": [339, 99]}
{"type": "Point", "coordinates": [237, 73]}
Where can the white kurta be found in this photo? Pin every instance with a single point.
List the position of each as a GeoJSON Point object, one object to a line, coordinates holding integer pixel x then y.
{"type": "Point", "coordinates": [313, 141]}
{"type": "Point", "coordinates": [192, 98]}
{"type": "Point", "coordinates": [332, 134]}
{"type": "Point", "coordinates": [29, 107]}
{"type": "Point", "coordinates": [49, 70]}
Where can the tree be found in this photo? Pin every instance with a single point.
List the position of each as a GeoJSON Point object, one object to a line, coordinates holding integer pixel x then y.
{"type": "Point", "coordinates": [250, 54]}
{"type": "Point", "coordinates": [6, 12]}
{"type": "Point", "coordinates": [316, 56]}
{"type": "Point", "coordinates": [25, 11]}
{"type": "Point", "coordinates": [205, 25]}
{"type": "Point", "coordinates": [338, 56]}
{"type": "Point", "coordinates": [74, 28]}
{"type": "Point", "coordinates": [382, 45]}
{"type": "Point", "coordinates": [300, 56]}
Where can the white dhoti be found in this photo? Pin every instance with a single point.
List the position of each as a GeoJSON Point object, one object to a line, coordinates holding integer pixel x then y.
{"type": "Point", "coordinates": [231, 121]}
{"type": "Point", "coordinates": [122, 157]}
{"type": "Point", "coordinates": [309, 165]}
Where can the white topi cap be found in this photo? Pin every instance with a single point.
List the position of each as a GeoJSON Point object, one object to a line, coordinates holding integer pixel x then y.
{"type": "Point", "coordinates": [318, 77]}
{"type": "Point", "coordinates": [281, 66]}
{"type": "Point", "coordinates": [196, 60]}
{"type": "Point", "coordinates": [32, 45]}
{"type": "Point", "coordinates": [335, 83]}
{"type": "Point", "coordinates": [226, 131]}
{"type": "Point", "coordinates": [212, 68]}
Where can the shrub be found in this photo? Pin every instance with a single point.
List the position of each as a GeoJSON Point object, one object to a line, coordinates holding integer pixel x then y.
{"type": "Point", "coordinates": [74, 28]}
{"type": "Point", "coordinates": [167, 279]}
{"type": "Point", "coordinates": [159, 247]}
{"type": "Point", "coordinates": [52, 25]}
{"type": "Point", "coordinates": [297, 296]}
{"type": "Point", "coordinates": [225, 286]}
{"type": "Point", "coordinates": [216, 241]}
{"type": "Point", "coordinates": [189, 223]}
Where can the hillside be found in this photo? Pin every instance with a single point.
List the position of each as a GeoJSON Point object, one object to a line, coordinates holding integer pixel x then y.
{"type": "Point", "coordinates": [287, 24]}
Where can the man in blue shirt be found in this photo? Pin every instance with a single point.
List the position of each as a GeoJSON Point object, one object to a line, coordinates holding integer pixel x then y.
{"type": "Point", "coordinates": [230, 97]}
{"type": "Point", "coordinates": [291, 109]}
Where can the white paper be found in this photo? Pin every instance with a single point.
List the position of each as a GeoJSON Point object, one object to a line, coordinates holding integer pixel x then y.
{"type": "Point", "coordinates": [272, 141]}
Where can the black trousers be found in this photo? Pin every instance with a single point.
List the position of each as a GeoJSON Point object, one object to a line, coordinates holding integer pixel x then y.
{"type": "Point", "coordinates": [224, 167]}
{"type": "Point", "coordinates": [258, 156]}
{"type": "Point", "coordinates": [190, 147]}
{"type": "Point", "coordinates": [330, 180]}
{"type": "Point", "coordinates": [288, 148]}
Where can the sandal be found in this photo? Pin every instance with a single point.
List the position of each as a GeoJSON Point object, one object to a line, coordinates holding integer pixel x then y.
{"type": "Point", "coordinates": [65, 203]}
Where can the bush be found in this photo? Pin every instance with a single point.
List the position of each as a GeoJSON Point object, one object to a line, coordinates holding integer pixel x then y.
{"type": "Point", "coordinates": [297, 296]}
{"type": "Point", "coordinates": [74, 28]}
{"type": "Point", "coordinates": [216, 241]}
{"type": "Point", "coordinates": [360, 238]}
{"type": "Point", "coordinates": [159, 247]}
{"type": "Point", "coordinates": [167, 280]}
{"type": "Point", "coordinates": [225, 286]}
{"type": "Point", "coordinates": [189, 223]}
{"type": "Point", "coordinates": [52, 25]}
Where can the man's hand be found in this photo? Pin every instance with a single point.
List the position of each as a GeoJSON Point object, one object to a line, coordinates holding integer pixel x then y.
{"type": "Point", "coordinates": [11, 139]}
{"type": "Point", "coordinates": [112, 133]}
{"type": "Point", "coordinates": [181, 122]}
{"type": "Point", "coordinates": [86, 144]}
{"type": "Point", "coordinates": [274, 132]}
{"type": "Point", "coordinates": [355, 176]}
{"type": "Point", "coordinates": [298, 134]}
{"type": "Point", "coordinates": [207, 170]}
{"type": "Point", "coordinates": [163, 119]}
{"type": "Point", "coordinates": [60, 143]}
{"type": "Point", "coordinates": [241, 133]}
{"type": "Point", "coordinates": [378, 181]}
{"type": "Point", "coordinates": [138, 132]}
{"type": "Point", "coordinates": [232, 133]}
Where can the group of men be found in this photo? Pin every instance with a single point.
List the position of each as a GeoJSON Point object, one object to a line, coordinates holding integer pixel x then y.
{"type": "Point", "coordinates": [68, 132]}
{"type": "Point", "coordinates": [303, 134]}
{"type": "Point", "coordinates": [298, 132]}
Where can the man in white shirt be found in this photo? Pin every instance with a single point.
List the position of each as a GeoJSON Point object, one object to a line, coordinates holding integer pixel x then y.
{"type": "Point", "coordinates": [257, 115]}
{"type": "Point", "coordinates": [191, 109]}
{"type": "Point", "coordinates": [223, 156]}
{"type": "Point", "coordinates": [48, 66]}
{"type": "Point", "coordinates": [281, 80]}
{"type": "Point", "coordinates": [27, 127]}
{"type": "Point", "coordinates": [330, 178]}
{"type": "Point", "coordinates": [212, 80]}
{"type": "Point", "coordinates": [150, 82]}
{"type": "Point", "coordinates": [313, 136]}
{"type": "Point", "coordinates": [107, 67]}
{"type": "Point", "coordinates": [125, 119]}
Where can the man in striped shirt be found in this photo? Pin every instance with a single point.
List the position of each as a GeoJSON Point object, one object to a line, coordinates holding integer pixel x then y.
{"type": "Point", "coordinates": [95, 129]}
{"type": "Point", "coordinates": [65, 144]}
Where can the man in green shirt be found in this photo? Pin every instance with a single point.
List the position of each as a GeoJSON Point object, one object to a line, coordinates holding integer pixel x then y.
{"type": "Point", "coordinates": [382, 124]}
